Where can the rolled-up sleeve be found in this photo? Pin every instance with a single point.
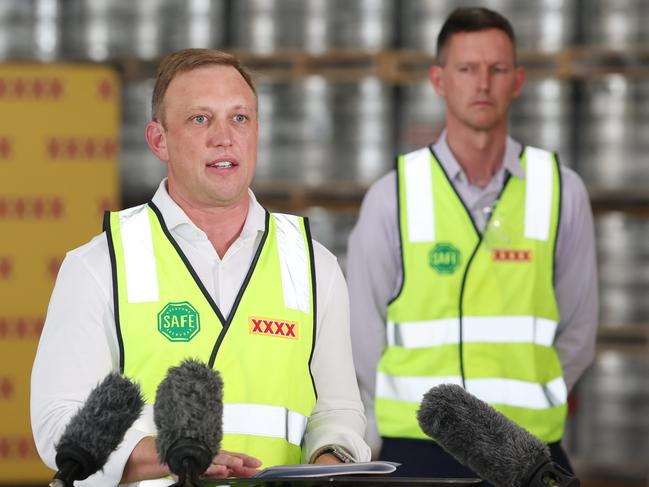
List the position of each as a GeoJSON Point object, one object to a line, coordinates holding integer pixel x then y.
{"type": "Point", "coordinates": [77, 348]}
{"type": "Point", "coordinates": [338, 414]}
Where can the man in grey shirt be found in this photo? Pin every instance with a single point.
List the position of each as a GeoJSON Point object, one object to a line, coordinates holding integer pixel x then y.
{"type": "Point", "coordinates": [444, 314]}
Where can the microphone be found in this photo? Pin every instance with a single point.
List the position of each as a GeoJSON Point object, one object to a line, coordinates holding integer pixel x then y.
{"type": "Point", "coordinates": [97, 429]}
{"type": "Point", "coordinates": [188, 414]}
{"type": "Point", "coordinates": [484, 440]}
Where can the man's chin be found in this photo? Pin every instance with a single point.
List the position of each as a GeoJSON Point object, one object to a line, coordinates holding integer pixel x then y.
{"type": "Point", "coordinates": [483, 124]}
{"type": "Point", "coordinates": [223, 199]}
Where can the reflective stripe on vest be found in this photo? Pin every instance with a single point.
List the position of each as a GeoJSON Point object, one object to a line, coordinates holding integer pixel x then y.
{"type": "Point", "coordinates": [538, 193]}
{"type": "Point", "coordinates": [294, 263]}
{"type": "Point", "coordinates": [262, 420]}
{"type": "Point", "coordinates": [508, 392]}
{"type": "Point", "coordinates": [419, 195]}
{"type": "Point", "coordinates": [487, 329]}
{"type": "Point", "coordinates": [139, 258]}
{"type": "Point", "coordinates": [248, 419]}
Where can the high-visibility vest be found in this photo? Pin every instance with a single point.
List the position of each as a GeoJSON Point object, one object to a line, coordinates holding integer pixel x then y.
{"type": "Point", "coordinates": [262, 349]}
{"type": "Point", "coordinates": [475, 310]}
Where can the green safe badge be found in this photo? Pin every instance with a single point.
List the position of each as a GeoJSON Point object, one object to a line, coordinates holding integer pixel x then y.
{"type": "Point", "coordinates": [179, 322]}
{"type": "Point", "coordinates": [444, 258]}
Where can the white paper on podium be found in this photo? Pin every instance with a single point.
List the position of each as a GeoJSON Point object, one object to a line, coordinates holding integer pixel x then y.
{"type": "Point", "coordinates": [310, 470]}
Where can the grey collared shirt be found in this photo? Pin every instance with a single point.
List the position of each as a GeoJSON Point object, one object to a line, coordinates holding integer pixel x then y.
{"type": "Point", "coordinates": [479, 201]}
{"type": "Point", "coordinates": [374, 270]}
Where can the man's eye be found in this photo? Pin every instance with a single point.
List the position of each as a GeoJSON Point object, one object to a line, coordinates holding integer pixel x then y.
{"type": "Point", "coordinates": [240, 118]}
{"type": "Point", "coordinates": [200, 119]}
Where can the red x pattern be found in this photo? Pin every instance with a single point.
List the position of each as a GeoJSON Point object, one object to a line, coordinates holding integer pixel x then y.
{"type": "Point", "coordinates": [31, 207]}
{"type": "Point", "coordinates": [106, 204]}
{"type": "Point", "coordinates": [21, 327]}
{"type": "Point", "coordinates": [6, 267]}
{"type": "Point", "coordinates": [270, 327]}
{"type": "Point", "coordinates": [31, 88]}
{"type": "Point", "coordinates": [511, 255]}
{"type": "Point", "coordinates": [53, 265]}
{"type": "Point", "coordinates": [106, 89]}
{"type": "Point", "coordinates": [17, 447]}
{"type": "Point", "coordinates": [80, 147]}
{"type": "Point", "coordinates": [5, 148]}
{"type": "Point", "coordinates": [7, 388]}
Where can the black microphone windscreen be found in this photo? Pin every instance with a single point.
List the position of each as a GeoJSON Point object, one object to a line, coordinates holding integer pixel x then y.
{"type": "Point", "coordinates": [98, 428]}
{"type": "Point", "coordinates": [480, 437]}
{"type": "Point", "coordinates": [189, 407]}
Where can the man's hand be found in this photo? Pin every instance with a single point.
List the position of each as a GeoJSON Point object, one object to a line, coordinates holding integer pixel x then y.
{"type": "Point", "coordinates": [231, 464]}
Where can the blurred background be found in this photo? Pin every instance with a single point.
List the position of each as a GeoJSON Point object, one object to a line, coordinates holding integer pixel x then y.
{"type": "Point", "coordinates": [342, 89]}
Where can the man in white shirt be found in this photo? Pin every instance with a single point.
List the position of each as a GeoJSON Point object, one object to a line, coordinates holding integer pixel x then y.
{"type": "Point", "coordinates": [204, 220]}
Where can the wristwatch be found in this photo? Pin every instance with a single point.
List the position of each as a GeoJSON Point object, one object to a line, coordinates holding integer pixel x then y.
{"type": "Point", "coordinates": [337, 451]}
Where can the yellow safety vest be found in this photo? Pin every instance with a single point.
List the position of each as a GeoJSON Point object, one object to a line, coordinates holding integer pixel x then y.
{"type": "Point", "coordinates": [262, 349]}
{"type": "Point", "coordinates": [475, 310]}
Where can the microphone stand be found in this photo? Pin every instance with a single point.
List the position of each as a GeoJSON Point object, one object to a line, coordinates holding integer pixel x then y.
{"type": "Point", "coordinates": [549, 474]}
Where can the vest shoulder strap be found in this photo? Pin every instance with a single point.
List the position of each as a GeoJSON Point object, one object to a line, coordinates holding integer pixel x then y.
{"type": "Point", "coordinates": [296, 260]}
{"type": "Point", "coordinates": [539, 192]}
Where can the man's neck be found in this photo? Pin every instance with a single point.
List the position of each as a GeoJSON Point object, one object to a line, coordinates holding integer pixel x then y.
{"type": "Point", "coordinates": [479, 153]}
{"type": "Point", "coordinates": [222, 225]}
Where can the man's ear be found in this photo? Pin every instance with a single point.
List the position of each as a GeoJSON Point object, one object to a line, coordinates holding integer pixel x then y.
{"type": "Point", "coordinates": [520, 80]}
{"type": "Point", "coordinates": [156, 138]}
{"type": "Point", "coordinates": [435, 75]}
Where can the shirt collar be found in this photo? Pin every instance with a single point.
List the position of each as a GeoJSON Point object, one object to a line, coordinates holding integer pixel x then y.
{"type": "Point", "coordinates": [511, 159]}
{"type": "Point", "coordinates": [176, 219]}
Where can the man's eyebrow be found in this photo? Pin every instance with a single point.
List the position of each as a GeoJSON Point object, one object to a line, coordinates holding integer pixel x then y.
{"type": "Point", "coordinates": [207, 108]}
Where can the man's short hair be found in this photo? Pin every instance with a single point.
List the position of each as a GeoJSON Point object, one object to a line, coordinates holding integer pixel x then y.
{"type": "Point", "coordinates": [188, 60]}
{"type": "Point", "coordinates": [471, 19]}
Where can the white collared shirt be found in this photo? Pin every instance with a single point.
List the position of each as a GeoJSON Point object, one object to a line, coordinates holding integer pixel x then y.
{"type": "Point", "coordinates": [78, 346]}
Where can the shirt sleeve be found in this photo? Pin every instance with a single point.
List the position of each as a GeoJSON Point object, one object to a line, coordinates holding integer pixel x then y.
{"type": "Point", "coordinates": [338, 414]}
{"type": "Point", "coordinates": [77, 349]}
{"type": "Point", "coordinates": [576, 280]}
{"type": "Point", "coordinates": [374, 276]}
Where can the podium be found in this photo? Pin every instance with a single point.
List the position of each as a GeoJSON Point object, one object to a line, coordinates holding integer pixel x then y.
{"type": "Point", "coordinates": [345, 481]}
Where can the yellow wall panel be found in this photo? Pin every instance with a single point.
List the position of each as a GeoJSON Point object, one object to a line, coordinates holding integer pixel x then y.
{"type": "Point", "coordinates": [59, 147]}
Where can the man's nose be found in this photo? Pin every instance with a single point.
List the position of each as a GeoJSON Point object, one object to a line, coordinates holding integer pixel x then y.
{"type": "Point", "coordinates": [484, 78]}
{"type": "Point", "coordinates": [220, 133]}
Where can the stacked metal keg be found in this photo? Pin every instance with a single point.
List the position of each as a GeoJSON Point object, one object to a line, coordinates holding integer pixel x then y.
{"type": "Point", "coordinates": [295, 130]}
{"type": "Point", "coordinates": [610, 424]}
{"type": "Point", "coordinates": [614, 119]}
{"type": "Point", "coordinates": [100, 30]}
{"type": "Point", "coordinates": [543, 116]}
{"type": "Point", "coordinates": [314, 131]}
{"type": "Point", "coordinates": [623, 255]}
{"type": "Point", "coordinates": [616, 25]}
{"type": "Point", "coordinates": [315, 26]}
{"type": "Point", "coordinates": [30, 30]}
